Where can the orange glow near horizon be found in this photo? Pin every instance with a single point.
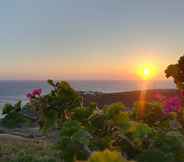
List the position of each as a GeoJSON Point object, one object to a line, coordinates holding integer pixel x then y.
{"type": "Point", "coordinates": [146, 71]}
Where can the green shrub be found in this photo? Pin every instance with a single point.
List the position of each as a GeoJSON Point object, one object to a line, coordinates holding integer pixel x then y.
{"type": "Point", "coordinates": [153, 155]}
{"type": "Point", "coordinates": [55, 107]}
{"type": "Point", "coordinates": [74, 142]}
{"type": "Point", "coordinates": [13, 116]}
{"type": "Point", "coordinates": [171, 143]}
{"type": "Point", "coordinates": [15, 119]}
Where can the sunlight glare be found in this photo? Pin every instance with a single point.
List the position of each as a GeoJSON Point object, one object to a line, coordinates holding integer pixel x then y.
{"type": "Point", "coordinates": [146, 71]}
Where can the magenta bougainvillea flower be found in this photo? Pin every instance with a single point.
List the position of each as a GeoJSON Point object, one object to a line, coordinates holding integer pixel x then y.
{"type": "Point", "coordinates": [37, 92]}
{"type": "Point", "coordinates": [34, 93]}
{"type": "Point", "coordinates": [172, 104]}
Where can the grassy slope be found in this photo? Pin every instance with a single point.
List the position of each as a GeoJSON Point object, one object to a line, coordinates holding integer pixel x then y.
{"type": "Point", "coordinates": [12, 145]}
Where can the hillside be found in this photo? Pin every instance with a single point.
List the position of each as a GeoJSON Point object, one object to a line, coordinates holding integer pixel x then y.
{"type": "Point", "coordinates": [128, 98]}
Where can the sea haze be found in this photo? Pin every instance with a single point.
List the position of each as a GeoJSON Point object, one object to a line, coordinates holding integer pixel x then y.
{"type": "Point", "coordinates": [11, 91]}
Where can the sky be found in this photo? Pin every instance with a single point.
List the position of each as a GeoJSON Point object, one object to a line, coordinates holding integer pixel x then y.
{"type": "Point", "coordinates": [88, 39]}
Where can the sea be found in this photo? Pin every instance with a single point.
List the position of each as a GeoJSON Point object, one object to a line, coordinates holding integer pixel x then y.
{"type": "Point", "coordinates": [12, 91]}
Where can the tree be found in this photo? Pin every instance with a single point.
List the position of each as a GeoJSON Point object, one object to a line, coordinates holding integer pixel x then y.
{"type": "Point", "coordinates": [176, 71]}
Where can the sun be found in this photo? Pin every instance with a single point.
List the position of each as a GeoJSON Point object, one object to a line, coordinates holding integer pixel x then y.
{"type": "Point", "coordinates": [146, 71]}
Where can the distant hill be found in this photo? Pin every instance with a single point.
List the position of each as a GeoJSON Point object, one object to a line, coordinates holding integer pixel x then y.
{"type": "Point", "coordinates": [127, 98]}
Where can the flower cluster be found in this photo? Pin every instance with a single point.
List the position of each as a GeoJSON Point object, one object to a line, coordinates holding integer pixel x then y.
{"type": "Point", "coordinates": [34, 93]}
{"type": "Point", "coordinates": [170, 104]}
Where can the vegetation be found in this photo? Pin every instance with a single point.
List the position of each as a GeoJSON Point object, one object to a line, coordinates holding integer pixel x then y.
{"type": "Point", "coordinates": [151, 132]}
{"type": "Point", "coordinates": [13, 116]}
{"type": "Point", "coordinates": [19, 149]}
{"type": "Point", "coordinates": [107, 156]}
{"type": "Point", "coordinates": [176, 71]}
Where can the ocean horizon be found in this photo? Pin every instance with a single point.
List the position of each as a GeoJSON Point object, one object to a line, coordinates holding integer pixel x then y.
{"type": "Point", "coordinates": [13, 90]}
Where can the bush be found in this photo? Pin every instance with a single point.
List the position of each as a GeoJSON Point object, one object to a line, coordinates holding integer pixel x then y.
{"type": "Point", "coordinates": [74, 142]}
{"type": "Point", "coordinates": [152, 155]}
{"type": "Point", "coordinates": [54, 108]}
{"type": "Point", "coordinates": [14, 117]}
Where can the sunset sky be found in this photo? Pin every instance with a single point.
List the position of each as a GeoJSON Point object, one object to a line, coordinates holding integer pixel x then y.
{"type": "Point", "coordinates": [88, 39]}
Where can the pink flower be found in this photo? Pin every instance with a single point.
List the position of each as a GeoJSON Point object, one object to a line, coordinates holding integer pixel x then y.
{"type": "Point", "coordinates": [34, 93]}
{"type": "Point", "coordinates": [172, 104]}
{"type": "Point", "coordinates": [37, 92]}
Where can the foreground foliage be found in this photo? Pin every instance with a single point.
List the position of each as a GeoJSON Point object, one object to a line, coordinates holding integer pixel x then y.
{"type": "Point", "coordinates": [13, 116]}
{"type": "Point", "coordinates": [150, 132]}
{"type": "Point", "coordinates": [145, 134]}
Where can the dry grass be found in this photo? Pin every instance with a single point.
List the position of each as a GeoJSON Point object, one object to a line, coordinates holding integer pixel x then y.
{"type": "Point", "coordinates": [12, 145]}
